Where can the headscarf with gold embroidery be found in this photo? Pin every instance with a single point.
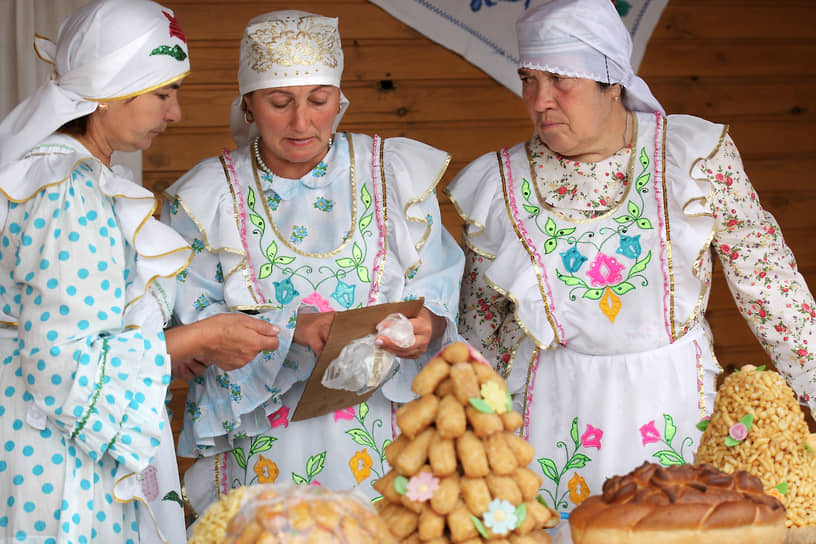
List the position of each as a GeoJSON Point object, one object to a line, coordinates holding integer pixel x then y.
{"type": "Point", "coordinates": [106, 50]}
{"type": "Point", "coordinates": [285, 49]}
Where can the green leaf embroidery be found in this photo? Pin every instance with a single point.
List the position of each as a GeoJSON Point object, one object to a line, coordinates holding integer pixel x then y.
{"type": "Point", "coordinates": [362, 273]}
{"type": "Point", "coordinates": [257, 220]}
{"type": "Point", "coordinates": [579, 460]}
{"type": "Point", "coordinates": [644, 224]}
{"type": "Point", "coordinates": [265, 271]}
{"type": "Point", "coordinates": [669, 429]}
{"type": "Point", "coordinates": [251, 199]}
{"type": "Point", "coordinates": [363, 410]}
{"type": "Point", "coordinates": [365, 221]}
{"type": "Point", "coordinates": [642, 180]}
{"type": "Point", "coordinates": [284, 260]}
{"type": "Point", "coordinates": [533, 210]}
{"type": "Point", "coordinates": [365, 196]}
{"type": "Point", "coordinates": [240, 458]}
{"type": "Point", "coordinates": [525, 189]}
{"type": "Point", "coordinates": [271, 251]}
{"type": "Point", "coordinates": [315, 464]}
{"type": "Point", "coordinates": [593, 294]}
{"type": "Point", "coordinates": [262, 444]}
{"type": "Point", "coordinates": [574, 432]}
{"type": "Point", "coordinates": [633, 209]}
{"type": "Point", "coordinates": [361, 437]}
{"type": "Point", "coordinates": [565, 232]}
{"type": "Point", "coordinates": [549, 227]}
{"type": "Point", "coordinates": [622, 288]}
{"type": "Point", "coordinates": [357, 253]}
{"type": "Point", "coordinates": [624, 219]}
{"type": "Point", "coordinates": [669, 457]}
{"type": "Point", "coordinates": [570, 281]}
{"type": "Point", "coordinates": [549, 469]}
{"type": "Point", "coordinates": [298, 479]}
{"type": "Point", "coordinates": [346, 262]}
{"type": "Point", "coordinates": [550, 245]}
{"type": "Point", "coordinates": [640, 266]}
{"type": "Point", "coordinates": [644, 158]}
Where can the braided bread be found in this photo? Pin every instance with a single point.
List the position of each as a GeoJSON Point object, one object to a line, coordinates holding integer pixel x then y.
{"type": "Point", "coordinates": [681, 504]}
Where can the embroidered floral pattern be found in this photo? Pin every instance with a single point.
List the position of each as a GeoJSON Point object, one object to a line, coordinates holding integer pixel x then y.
{"type": "Point", "coordinates": [259, 444]}
{"type": "Point", "coordinates": [574, 460]}
{"type": "Point", "coordinates": [669, 455]}
{"type": "Point", "coordinates": [314, 466]}
{"type": "Point", "coordinates": [364, 436]}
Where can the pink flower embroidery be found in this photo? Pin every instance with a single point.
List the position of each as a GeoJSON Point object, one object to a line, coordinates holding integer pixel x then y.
{"type": "Point", "coordinates": [421, 487]}
{"type": "Point", "coordinates": [592, 437]}
{"type": "Point", "coordinates": [281, 417]}
{"type": "Point", "coordinates": [649, 433]}
{"type": "Point", "coordinates": [345, 413]}
{"type": "Point", "coordinates": [605, 270]}
{"type": "Point", "coordinates": [738, 431]}
{"type": "Point", "coordinates": [316, 300]}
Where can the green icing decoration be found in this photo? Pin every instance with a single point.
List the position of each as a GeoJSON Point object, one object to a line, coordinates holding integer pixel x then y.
{"type": "Point", "coordinates": [479, 526]}
{"type": "Point", "coordinates": [703, 424]}
{"type": "Point", "coordinates": [509, 402]}
{"type": "Point", "coordinates": [807, 447]}
{"type": "Point", "coordinates": [481, 405]}
{"type": "Point", "coordinates": [748, 420]}
{"type": "Point", "coordinates": [761, 367]}
{"type": "Point", "coordinates": [521, 513]}
{"type": "Point", "coordinates": [730, 442]}
{"type": "Point", "coordinates": [542, 500]}
{"type": "Point", "coordinates": [400, 484]}
{"type": "Point", "coordinates": [782, 487]}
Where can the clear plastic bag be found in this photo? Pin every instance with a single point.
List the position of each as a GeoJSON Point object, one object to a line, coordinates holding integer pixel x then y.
{"type": "Point", "coordinates": [362, 365]}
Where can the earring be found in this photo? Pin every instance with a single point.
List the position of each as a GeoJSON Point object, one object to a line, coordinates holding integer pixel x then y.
{"type": "Point", "coordinates": [248, 117]}
{"type": "Point", "coordinates": [102, 108]}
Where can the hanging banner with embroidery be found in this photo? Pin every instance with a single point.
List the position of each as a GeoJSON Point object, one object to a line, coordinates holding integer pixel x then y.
{"type": "Point", "coordinates": [484, 31]}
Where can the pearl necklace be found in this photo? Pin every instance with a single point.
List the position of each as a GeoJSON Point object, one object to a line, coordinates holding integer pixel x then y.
{"type": "Point", "coordinates": [259, 161]}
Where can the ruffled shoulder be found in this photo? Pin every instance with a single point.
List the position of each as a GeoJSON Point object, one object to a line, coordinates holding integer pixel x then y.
{"type": "Point", "coordinates": [478, 196]}
{"type": "Point", "coordinates": [62, 160]}
{"type": "Point", "coordinates": [205, 195]}
{"type": "Point", "coordinates": [412, 171]}
{"type": "Point", "coordinates": [690, 141]}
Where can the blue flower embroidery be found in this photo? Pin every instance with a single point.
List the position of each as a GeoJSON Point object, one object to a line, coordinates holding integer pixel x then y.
{"type": "Point", "coordinates": [573, 260]}
{"type": "Point", "coordinates": [344, 294]}
{"type": "Point", "coordinates": [629, 246]}
{"type": "Point", "coordinates": [219, 273]}
{"type": "Point", "coordinates": [197, 245]}
{"type": "Point", "coordinates": [320, 170]}
{"type": "Point", "coordinates": [298, 234]}
{"type": "Point", "coordinates": [181, 277]}
{"type": "Point", "coordinates": [201, 302]}
{"type": "Point", "coordinates": [273, 201]}
{"type": "Point", "coordinates": [285, 291]}
{"type": "Point", "coordinates": [323, 204]}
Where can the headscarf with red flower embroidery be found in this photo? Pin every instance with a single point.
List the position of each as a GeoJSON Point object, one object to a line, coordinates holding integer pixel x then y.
{"type": "Point", "coordinates": [106, 50]}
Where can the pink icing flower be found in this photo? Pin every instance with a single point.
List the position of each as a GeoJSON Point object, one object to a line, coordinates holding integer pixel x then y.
{"type": "Point", "coordinates": [421, 487]}
{"type": "Point", "coordinates": [649, 433]}
{"type": "Point", "coordinates": [738, 431]}
{"type": "Point", "coordinates": [604, 270]}
{"type": "Point", "coordinates": [316, 300]}
{"type": "Point", "coordinates": [281, 417]}
{"type": "Point", "coordinates": [592, 437]}
{"type": "Point", "coordinates": [345, 413]}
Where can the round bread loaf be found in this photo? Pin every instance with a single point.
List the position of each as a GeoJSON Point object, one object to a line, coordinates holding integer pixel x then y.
{"type": "Point", "coordinates": [683, 504]}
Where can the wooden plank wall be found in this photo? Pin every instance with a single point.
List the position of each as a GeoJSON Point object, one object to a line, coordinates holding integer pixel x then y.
{"type": "Point", "coordinates": [748, 63]}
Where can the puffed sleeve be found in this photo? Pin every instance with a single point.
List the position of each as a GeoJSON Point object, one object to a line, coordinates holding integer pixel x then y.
{"type": "Point", "coordinates": [430, 260]}
{"type": "Point", "coordinates": [101, 379]}
{"type": "Point", "coordinates": [761, 272]}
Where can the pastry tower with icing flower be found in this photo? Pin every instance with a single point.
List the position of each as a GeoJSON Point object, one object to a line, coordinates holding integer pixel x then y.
{"type": "Point", "coordinates": [459, 469]}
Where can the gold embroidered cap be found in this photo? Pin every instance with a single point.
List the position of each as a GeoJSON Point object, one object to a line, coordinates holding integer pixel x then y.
{"type": "Point", "coordinates": [288, 48]}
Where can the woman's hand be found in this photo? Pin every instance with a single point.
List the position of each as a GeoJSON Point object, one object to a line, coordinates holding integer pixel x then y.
{"type": "Point", "coordinates": [427, 326]}
{"type": "Point", "coordinates": [228, 340]}
{"type": "Point", "coordinates": [312, 330]}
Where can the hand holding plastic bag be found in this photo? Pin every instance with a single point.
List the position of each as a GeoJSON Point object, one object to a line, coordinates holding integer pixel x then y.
{"type": "Point", "coordinates": [363, 366]}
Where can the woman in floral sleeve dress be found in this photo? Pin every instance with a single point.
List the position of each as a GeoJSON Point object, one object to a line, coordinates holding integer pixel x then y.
{"type": "Point", "coordinates": [589, 254]}
{"type": "Point", "coordinates": [297, 223]}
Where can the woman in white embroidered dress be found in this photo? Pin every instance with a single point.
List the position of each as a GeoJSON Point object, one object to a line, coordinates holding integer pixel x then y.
{"type": "Point", "coordinates": [88, 454]}
{"type": "Point", "coordinates": [298, 223]}
{"type": "Point", "coordinates": [589, 254]}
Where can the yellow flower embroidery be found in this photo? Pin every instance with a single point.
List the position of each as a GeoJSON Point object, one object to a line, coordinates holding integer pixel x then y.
{"type": "Point", "coordinates": [266, 469]}
{"type": "Point", "coordinates": [360, 465]}
{"type": "Point", "coordinates": [578, 489]}
{"type": "Point", "coordinates": [495, 397]}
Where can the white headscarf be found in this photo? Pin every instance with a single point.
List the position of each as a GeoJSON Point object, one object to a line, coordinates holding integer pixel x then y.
{"type": "Point", "coordinates": [285, 49]}
{"type": "Point", "coordinates": [583, 38]}
{"type": "Point", "coordinates": [106, 50]}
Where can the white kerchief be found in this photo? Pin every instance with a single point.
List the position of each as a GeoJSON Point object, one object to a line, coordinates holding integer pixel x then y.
{"type": "Point", "coordinates": [583, 38]}
{"type": "Point", "coordinates": [106, 50]}
{"type": "Point", "coordinates": [286, 49]}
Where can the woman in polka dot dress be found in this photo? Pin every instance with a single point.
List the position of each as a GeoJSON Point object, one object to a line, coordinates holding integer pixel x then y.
{"type": "Point", "coordinates": [86, 452]}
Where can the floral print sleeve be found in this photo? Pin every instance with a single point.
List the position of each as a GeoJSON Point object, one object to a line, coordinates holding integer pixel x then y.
{"type": "Point", "coordinates": [487, 318]}
{"type": "Point", "coordinates": [761, 272]}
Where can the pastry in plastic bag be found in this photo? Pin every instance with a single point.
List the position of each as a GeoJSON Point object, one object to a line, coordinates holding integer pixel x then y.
{"type": "Point", "coordinates": [290, 514]}
{"type": "Point", "coordinates": [362, 365]}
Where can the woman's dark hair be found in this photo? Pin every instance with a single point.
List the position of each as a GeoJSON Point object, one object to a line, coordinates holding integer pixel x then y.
{"type": "Point", "coordinates": [75, 127]}
{"type": "Point", "coordinates": [605, 86]}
